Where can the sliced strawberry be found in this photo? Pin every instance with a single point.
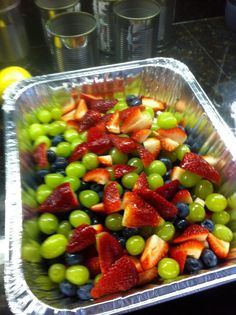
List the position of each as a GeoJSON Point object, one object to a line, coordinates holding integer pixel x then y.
{"type": "Point", "coordinates": [78, 152]}
{"type": "Point", "coordinates": [109, 250]}
{"type": "Point", "coordinates": [90, 98]}
{"type": "Point", "coordinates": [147, 276]}
{"type": "Point", "coordinates": [166, 209]}
{"type": "Point", "coordinates": [192, 232]}
{"type": "Point", "coordinates": [89, 119]}
{"type": "Point", "coordinates": [100, 145]}
{"type": "Point", "coordinates": [121, 277]}
{"type": "Point", "coordinates": [98, 228]}
{"type": "Point", "coordinates": [62, 199]}
{"type": "Point", "coordinates": [130, 111]}
{"type": "Point", "coordinates": [153, 145]}
{"type": "Point", "coordinates": [176, 134]}
{"type": "Point", "coordinates": [81, 110]}
{"type": "Point", "coordinates": [40, 155]}
{"type": "Point", "coordinates": [155, 249]}
{"type": "Point", "coordinates": [95, 133]}
{"type": "Point", "coordinates": [176, 173]}
{"type": "Point", "coordinates": [111, 198]}
{"type": "Point", "coordinates": [168, 190]}
{"type": "Point", "coordinates": [98, 175]}
{"type": "Point", "coordinates": [192, 248]}
{"type": "Point", "coordinates": [124, 144]}
{"type": "Point", "coordinates": [102, 105]}
{"type": "Point", "coordinates": [139, 213]}
{"type": "Point", "coordinates": [74, 94]}
{"type": "Point", "coordinates": [146, 156]}
{"type": "Point", "coordinates": [141, 135]}
{"type": "Point", "coordinates": [69, 116]}
{"type": "Point", "coordinates": [113, 125]}
{"type": "Point", "coordinates": [82, 237]}
{"type": "Point", "coordinates": [180, 256]}
{"type": "Point", "coordinates": [196, 164]}
{"type": "Point", "coordinates": [74, 124]}
{"type": "Point", "coordinates": [99, 207]}
{"type": "Point", "coordinates": [156, 105]}
{"type": "Point", "coordinates": [137, 263]}
{"type": "Point", "coordinates": [105, 160]}
{"type": "Point", "coordinates": [182, 196]}
{"type": "Point", "coordinates": [69, 107]}
{"type": "Point", "coordinates": [136, 121]}
{"type": "Point", "coordinates": [219, 247]}
{"type": "Point", "coordinates": [212, 160]}
{"type": "Point", "coordinates": [141, 183]}
{"type": "Point", "coordinates": [93, 265]}
{"type": "Point", "coordinates": [168, 144]}
{"type": "Point", "coordinates": [122, 169]}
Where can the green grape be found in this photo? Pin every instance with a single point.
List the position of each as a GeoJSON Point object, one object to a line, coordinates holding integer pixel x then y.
{"type": "Point", "coordinates": [44, 116]}
{"type": "Point", "coordinates": [64, 149]}
{"type": "Point", "coordinates": [196, 212]}
{"type": "Point", "coordinates": [135, 245]}
{"type": "Point", "coordinates": [181, 150]}
{"type": "Point", "coordinates": [155, 181]}
{"type": "Point", "coordinates": [44, 283]}
{"type": "Point", "coordinates": [216, 202]}
{"type": "Point", "coordinates": [88, 198]}
{"type": "Point", "coordinates": [48, 223]}
{"type": "Point", "coordinates": [90, 161]}
{"type": "Point", "coordinates": [111, 172]}
{"type": "Point", "coordinates": [188, 179]}
{"type": "Point", "coordinates": [223, 232]}
{"type": "Point", "coordinates": [170, 155]}
{"type": "Point", "coordinates": [157, 167]}
{"type": "Point", "coordinates": [168, 268]}
{"type": "Point", "coordinates": [114, 222]}
{"type": "Point", "coordinates": [166, 120]}
{"type": "Point", "coordinates": [232, 214]}
{"type": "Point", "coordinates": [42, 139]}
{"type": "Point", "coordinates": [56, 113]}
{"type": "Point", "coordinates": [78, 217]}
{"type": "Point", "coordinates": [118, 157]}
{"type": "Point", "coordinates": [57, 127]}
{"type": "Point", "coordinates": [70, 135]}
{"type": "Point", "coordinates": [137, 163]}
{"type": "Point", "coordinates": [42, 193]}
{"type": "Point", "coordinates": [64, 228]}
{"type": "Point", "coordinates": [129, 180]}
{"type": "Point", "coordinates": [29, 199]}
{"type": "Point", "coordinates": [166, 231]}
{"type": "Point", "coordinates": [75, 143]}
{"type": "Point", "coordinates": [120, 189]}
{"type": "Point", "coordinates": [232, 201]}
{"type": "Point", "coordinates": [203, 189]}
{"type": "Point", "coordinates": [178, 116]}
{"type": "Point", "coordinates": [46, 128]}
{"type": "Point", "coordinates": [97, 278]}
{"type": "Point", "coordinates": [155, 125]}
{"type": "Point", "coordinates": [31, 229]}
{"type": "Point", "coordinates": [53, 180]}
{"type": "Point", "coordinates": [149, 111]}
{"type": "Point", "coordinates": [76, 169]}
{"type": "Point", "coordinates": [36, 130]}
{"type": "Point", "coordinates": [31, 252]}
{"type": "Point", "coordinates": [120, 96]}
{"type": "Point", "coordinates": [77, 274]}
{"type": "Point", "coordinates": [83, 136]}
{"type": "Point", "coordinates": [54, 246]}
{"type": "Point", "coordinates": [221, 217]}
{"type": "Point", "coordinates": [57, 273]}
{"type": "Point", "coordinates": [74, 182]}
{"type": "Point", "coordinates": [120, 106]}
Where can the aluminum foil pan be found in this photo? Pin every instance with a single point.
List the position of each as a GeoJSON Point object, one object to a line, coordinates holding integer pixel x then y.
{"type": "Point", "coordinates": [165, 79]}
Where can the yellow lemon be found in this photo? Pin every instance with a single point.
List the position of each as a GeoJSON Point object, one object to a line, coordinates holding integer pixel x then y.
{"type": "Point", "coordinates": [10, 75]}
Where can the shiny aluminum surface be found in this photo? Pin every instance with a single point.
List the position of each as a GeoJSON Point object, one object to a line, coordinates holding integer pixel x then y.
{"type": "Point", "coordinates": [165, 79]}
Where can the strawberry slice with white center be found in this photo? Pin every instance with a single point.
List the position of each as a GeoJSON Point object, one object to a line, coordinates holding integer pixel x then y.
{"type": "Point", "coordinates": [113, 125]}
{"type": "Point", "coordinates": [90, 98]}
{"type": "Point", "coordinates": [153, 145]}
{"type": "Point", "coordinates": [176, 173]}
{"type": "Point", "coordinates": [141, 183]}
{"type": "Point", "coordinates": [192, 232]}
{"type": "Point", "coordinates": [82, 237]}
{"type": "Point", "coordinates": [81, 109]}
{"type": "Point", "coordinates": [147, 276]}
{"type": "Point", "coordinates": [89, 119]}
{"type": "Point", "coordinates": [168, 190]}
{"type": "Point", "coordinates": [182, 196]}
{"type": "Point", "coordinates": [122, 169]}
{"type": "Point", "coordinates": [111, 198]}
{"type": "Point", "coordinates": [176, 134]}
{"type": "Point", "coordinates": [137, 121]}
{"type": "Point", "coordinates": [196, 164]}
{"type": "Point", "coordinates": [130, 112]}
{"type": "Point", "coordinates": [141, 135]}
{"type": "Point", "coordinates": [146, 156]}
{"type": "Point", "coordinates": [219, 247]}
{"type": "Point", "coordinates": [99, 207]}
{"type": "Point", "coordinates": [105, 160]}
{"type": "Point", "coordinates": [192, 248]}
{"type": "Point", "coordinates": [155, 104]}
{"type": "Point", "coordinates": [99, 175]}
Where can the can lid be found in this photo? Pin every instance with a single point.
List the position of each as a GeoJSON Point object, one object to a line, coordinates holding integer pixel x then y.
{"type": "Point", "coordinates": [6, 5]}
{"type": "Point", "coordinates": [56, 4]}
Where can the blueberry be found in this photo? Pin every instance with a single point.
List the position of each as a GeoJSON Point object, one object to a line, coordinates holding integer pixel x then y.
{"type": "Point", "coordinates": [208, 224]}
{"type": "Point", "coordinates": [84, 185]}
{"type": "Point", "coordinates": [128, 232]}
{"type": "Point", "coordinates": [59, 164]}
{"type": "Point", "coordinates": [68, 288]}
{"type": "Point", "coordinates": [51, 155]}
{"type": "Point", "coordinates": [193, 265]}
{"type": "Point", "coordinates": [181, 224]}
{"type": "Point", "coordinates": [183, 210]}
{"type": "Point", "coordinates": [167, 163]}
{"type": "Point", "coordinates": [166, 177]}
{"type": "Point", "coordinates": [74, 259]}
{"type": "Point", "coordinates": [96, 187]}
{"type": "Point", "coordinates": [208, 258]}
{"type": "Point", "coordinates": [83, 292]}
{"type": "Point", "coordinates": [100, 194]}
{"type": "Point", "coordinates": [96, 220]}
{"type": "Point", "coordinates": [122, 240]}
{"type": "Point", "coordinates": [133, 100]}
{"type": "Point", "coordinates": [57, 139]}
{"type": "Point", "coordinates": [40, 175]}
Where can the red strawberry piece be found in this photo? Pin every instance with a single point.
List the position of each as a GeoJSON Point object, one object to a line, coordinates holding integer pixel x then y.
{"type": "Point", "coordinates": [69, 116]}
{"type": "Point", "coordinates": [74, 124]}
{"type": "Point", "coordinates": [155, 104]}
{"type": "Point", "coordinates": [138, 213]}
{"type": "Point", "coordinates": [168, 144]}
{"type": "Point", "coordinates": [62, 199]}
{"type": "Point", "coordinates": [168, 190]}
{"type": "Point", "coordinates": [78, 152]}
{"type": "Point", "coordinates": [130, 111]}
{"type": "Point", "coordinates": [74, 93]}
{"type": "Point", "coordinates": [155, 249]}
{"type": "Point", "coordinates": [192, 248]}
{"type": "Point", "coordinates": [176, 134]}
{"type": "Point", "coordinates": [121, 277]}
{"type": "Point", "coordinates": [219, 247]}
{"type": "Point", "coordinates": [196, 164]}
{"type": "Point", "coordinates": [113, 125]}
{"type": "Point", "coordinates": [136, 121]}
{"type": "Point", "coordinates": [99, 207]}
{"type": "Point", "coordinates": [153, 145]}
{"type": "Point", "coordinates": [90, 98]}
{"type": "Point", "coordinates": [105, 160]}
{"type": "Point", "coordinates": [111, 198]}
{"type": "Point", "coordinates": [182, 196]}
{"type": "Point", "coordinates": [40, 155]}
{"type": "Point", "coordinates": [137, 263]}
{"type": "Point", "coordinates": [82, 237]}
{"type": "Point", "coordinates": [180, 256]}
{"type": "Point", "coordinates": [69, 107]}
{"type": "Point", "coordinates": [89, 119]}
{"type": "Point", "coordinates": [147, 276]}
{"type": "Point", "coordinates": [109, 250]}
{"type": "Point", "coordinates": [102, 105]}
{"type": "Point", "coordinates": [166, 209]}
{"type": "Point", "coordinates": [192, 232]}
{"type": "Point", "coordinates": [141, 182]}
{"type": "Point", "coordinates": [124, 144]}
{"type": "Point", "coordinates": [176, 173]}
{"type": "Point", "coordinates": [141, 135]}
{"type": "Point", "coordinates": [122, 169]}
{"type": "Point", "coordinates": [98, 228]}
{"type": "Point", "coordinates": [98, 175]}
{"type": "Point", "coordinates": [146, 156]}
{"type": "Point", "coordinates": [95, 133]}
{"type": "Point", "coordinates": [100, 145]}
{"type": "Point", "coordinates": [81, 109]}
{"type": "Point", "coordinates": [93, 265]}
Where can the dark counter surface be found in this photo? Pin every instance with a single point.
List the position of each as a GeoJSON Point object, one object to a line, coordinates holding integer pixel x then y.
{"type": "Point", "coordinates": [208, 48]}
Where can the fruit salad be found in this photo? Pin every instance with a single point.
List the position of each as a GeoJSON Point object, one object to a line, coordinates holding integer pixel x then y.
{"type": "Point", "coordinates": [123, 197]}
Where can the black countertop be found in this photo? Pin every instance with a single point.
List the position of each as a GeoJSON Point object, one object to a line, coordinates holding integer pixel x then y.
{"type": "Point", "coordinates": [208, 48]}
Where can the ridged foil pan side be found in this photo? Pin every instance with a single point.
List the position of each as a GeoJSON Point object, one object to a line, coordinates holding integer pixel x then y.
{"type": "Point", "coordinates": [163, 78]}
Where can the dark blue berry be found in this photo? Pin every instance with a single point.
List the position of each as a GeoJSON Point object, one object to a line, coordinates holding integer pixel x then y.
{"type": "Point", "coordinates": [51, 155]}
{"type": "Point", "coordinates": [100, 194]}
{"type": "Point", "coordinates": [96, 220]}
{"type": "Point", "coordinates": [83, 292]}
{"type": "Point", "coordinates": [183, 210]}
{"type": "Point", "coordinates": [62, 172]}
{"type": "Point", "coordinates": [57, 139]}
{"type": "Point", "coordinates": [40, 175]}
{"type": "Point", "coordinates": [166, 177]}
{"type": "Point", "coordinates": [128, 232]}
{"type": "Point", "coordinates": [208, 224]}
{"type": "Point", "coordinates": [208, 258]}
{"type": "Point", "coordinates": [133, 100]}
{"type": "Point", "coordinates": [193, 265]}
{"type": "Point", "coordinates": [74, 259]}
{"type": "Point", "coordinates": [167, 163]}
{"type": "Point", "coordinates": [84, 185]}
{"type": "Point", "coordinates": [96, 187]}
{"type": "Point", "coordinates": [59, 164]}
{"type": "Point", "coordinates": [68, 288]}
{"type": "Point", "coordinates": [181, 224]}
{"type": "Point", "coordinates": [122, 240]}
